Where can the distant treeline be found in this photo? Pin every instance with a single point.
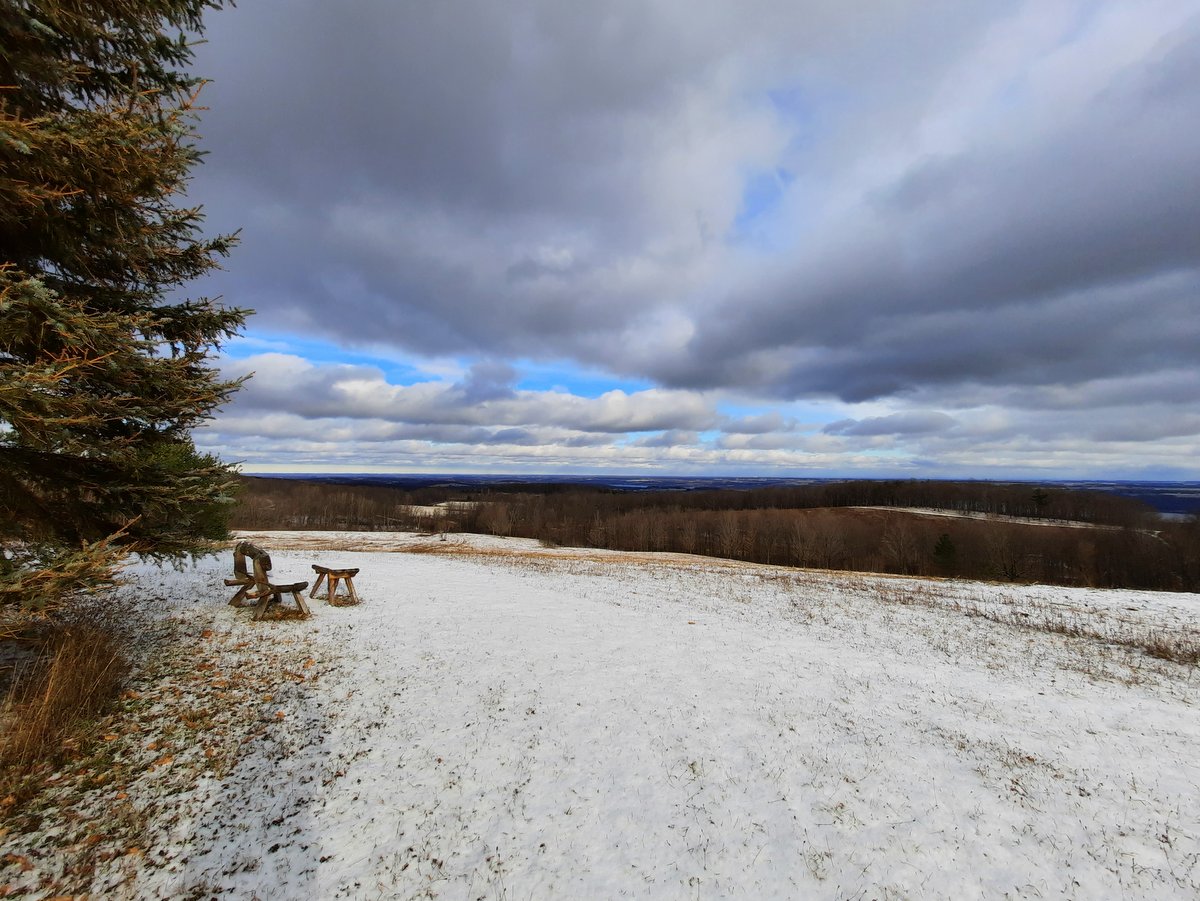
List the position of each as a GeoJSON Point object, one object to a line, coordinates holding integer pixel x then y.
{"type": "Point", "coordinates": [1123, 545]}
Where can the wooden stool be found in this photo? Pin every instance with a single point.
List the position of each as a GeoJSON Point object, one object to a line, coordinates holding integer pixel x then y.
{"type": "Point", "coordinates": [334, 576]}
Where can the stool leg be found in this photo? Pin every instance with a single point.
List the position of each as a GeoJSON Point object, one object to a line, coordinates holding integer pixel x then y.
{"type": "Point", "coordinates": [350, 588]}
{"type": "Point", "coordinates": [316, 585]}
{"type": "Point", "coordinates": [333, 586]}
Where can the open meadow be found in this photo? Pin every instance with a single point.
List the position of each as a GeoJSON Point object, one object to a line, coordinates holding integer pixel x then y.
{"type": "Point", "coordinates": [497, 719]}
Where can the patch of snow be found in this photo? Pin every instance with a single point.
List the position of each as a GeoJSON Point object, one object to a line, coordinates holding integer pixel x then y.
{"type": "Point", "coordinates": [500, 720]}
{"type": "Point", "coordinates": [994, 517]}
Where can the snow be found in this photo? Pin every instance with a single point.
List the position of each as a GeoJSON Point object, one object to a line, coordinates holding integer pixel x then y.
{"type": "Point", "coordinates": [993, 517]}
{"type": "Point", "coordinates": [501, 720]}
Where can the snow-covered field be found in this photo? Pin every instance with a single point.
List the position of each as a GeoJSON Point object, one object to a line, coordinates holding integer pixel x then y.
{"type": "Point", "coordinates": [499, 720]}
{"type": "Point", "coordinates": [992, 517]}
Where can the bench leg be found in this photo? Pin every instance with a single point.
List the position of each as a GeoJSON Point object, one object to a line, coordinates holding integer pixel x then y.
{"type": "Point", "coordinates": [350, 588]}
{"type": "Point", "coordinates": [263, 603]}
{"type": "Point", "coordinates": [300, 603]}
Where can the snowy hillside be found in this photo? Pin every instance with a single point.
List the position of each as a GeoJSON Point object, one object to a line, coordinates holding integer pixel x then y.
{"type": "Point", "coordinates": [498, 720]}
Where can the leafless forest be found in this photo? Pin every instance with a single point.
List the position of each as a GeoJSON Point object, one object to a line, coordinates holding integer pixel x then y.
{"type": "Point", "coordinates": [1011, 533]}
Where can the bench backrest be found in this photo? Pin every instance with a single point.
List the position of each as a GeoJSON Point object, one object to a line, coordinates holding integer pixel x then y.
{"type": "Point", "coordinates": [260, 558]}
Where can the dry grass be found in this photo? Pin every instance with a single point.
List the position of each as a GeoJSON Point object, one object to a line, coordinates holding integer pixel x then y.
{"type": "Point", "coordinates": [1173, 646]}
{"type": "Point", "coordinates": [280, 612]}
{"type": "Point", "coordinates": [433, 547]}
{"type": "Point", "coordinates": [1177, 647]}
{"type": "Point", "coordinates": [1181, 646]}
{"type": "Point", "coordinates": [46, 713]}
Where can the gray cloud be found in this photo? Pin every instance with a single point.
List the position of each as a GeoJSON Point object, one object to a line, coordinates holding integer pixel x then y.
{"type": "Point", "coordinates": [488, 380]}
{"type": "Point", "coordinates": [915, 423]}
{"type": "Point", "coordinates": [395, 167]}
{"type": "Point", "coordinates": [991, 209]}
{"type": "Point", "coordinates": [673, 438]}
{"type": "Point", "coordinates": [757, 425]}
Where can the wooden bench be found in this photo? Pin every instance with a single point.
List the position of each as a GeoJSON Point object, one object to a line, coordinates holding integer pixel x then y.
{"type": "Point", "coordinates": [257, 586]}
{"type": "Point", "coordinates": [331, 577]}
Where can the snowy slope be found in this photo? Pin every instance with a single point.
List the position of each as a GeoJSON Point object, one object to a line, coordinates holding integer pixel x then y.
{"type": "Point", "coordinates": [503, 721]}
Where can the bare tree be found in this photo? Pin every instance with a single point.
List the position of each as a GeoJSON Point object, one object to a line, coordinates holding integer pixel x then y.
{"type": "Point", "coordinates": [496, 518]}
{"type": "Point", "coordinates": [899, 545]}
{"type": "Point", "coordinates": [729, 534]}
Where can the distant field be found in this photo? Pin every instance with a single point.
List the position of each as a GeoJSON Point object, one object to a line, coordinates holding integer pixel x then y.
{"type": "Point", "coordinates": [1003, 532]}
{"type": "Point", "coordinates": [1177, 498]}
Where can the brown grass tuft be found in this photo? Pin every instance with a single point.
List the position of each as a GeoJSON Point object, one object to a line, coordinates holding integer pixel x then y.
{"type": "Point", "coordinates": [46, 712]}
{"type": "Point", "coordinates": [1173, 646]}
{"type": "Point", "coordinates": [457, 546]}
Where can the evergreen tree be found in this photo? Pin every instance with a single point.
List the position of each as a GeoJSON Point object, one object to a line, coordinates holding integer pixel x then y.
{"type": "Point", "coordinates": [945, 554]}
{"type": "Point", "coordinates": [103, 369]}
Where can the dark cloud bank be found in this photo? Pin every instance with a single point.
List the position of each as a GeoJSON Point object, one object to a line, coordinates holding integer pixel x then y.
{"type": "Point", "coordinates": [984, 224]}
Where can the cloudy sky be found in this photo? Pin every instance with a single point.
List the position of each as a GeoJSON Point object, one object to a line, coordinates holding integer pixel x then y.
{"type": "Point", "coordinates": [809, 237]}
